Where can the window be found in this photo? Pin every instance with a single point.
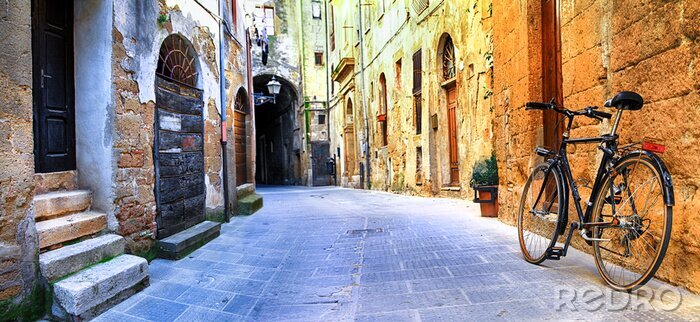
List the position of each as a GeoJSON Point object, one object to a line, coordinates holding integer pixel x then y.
{"type": "Point", "coordinates": [266, 16]}
{"type": "Point", "coordinates": [417, 71]}
{"type": "Point", "coordinates": [316, 9]}
{"type": "Point", "coordinates": [419, 166]}
{"type": "Point", "coordinates": [332, 35]}
{"type": "Point", "coordinates": [397, 70]}
{"type": "Point", "coordinates": [318, 58]}
{"type": "Point", "coordinates": [348, 112]}
{"type": "Point", "coordinates": [383, 109]}
{"type": "Point", "coordinates": [449, 68]}
{"type": "Point", "coordinates": [321, 119]}
{"type": "Point", "coordinates": [418, 113]}
{"type": "Point", "coordinates": [417, 87]}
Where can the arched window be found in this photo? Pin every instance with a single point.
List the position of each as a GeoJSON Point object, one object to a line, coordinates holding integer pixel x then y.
{"type": "Point", "coordinates": [348, 112]}
{"type": "Point", "coordinates": [449, 69]}
{"type": "Point", "coordinates": [383, 103]}
{"type": "Point", "coordinates": [177, 61]}
{"type": "Point", "coordinates": [240, 104]}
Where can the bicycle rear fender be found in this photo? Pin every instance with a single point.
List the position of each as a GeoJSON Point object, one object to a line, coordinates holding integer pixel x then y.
{"type": "Point", "coordinates": [669, 198]}
{"type": "Point", "coordinates": [564, 186]}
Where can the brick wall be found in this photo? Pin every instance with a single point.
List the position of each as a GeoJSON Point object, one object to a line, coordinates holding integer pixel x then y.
{"type": "Point", "coordinates": [650, 47]}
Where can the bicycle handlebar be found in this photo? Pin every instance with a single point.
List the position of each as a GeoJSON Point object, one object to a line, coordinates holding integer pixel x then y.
{"type": "Point", "coordinates": [588, 111]}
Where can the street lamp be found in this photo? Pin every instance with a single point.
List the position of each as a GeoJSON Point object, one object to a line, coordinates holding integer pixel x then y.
{"type": "Point", "coordinates": [273, 87]}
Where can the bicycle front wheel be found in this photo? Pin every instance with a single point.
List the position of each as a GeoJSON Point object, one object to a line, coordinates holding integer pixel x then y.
{"type": "Point", "coordinates": [541, 207]}
{"type": "Point", "coordinates": [637, 224]}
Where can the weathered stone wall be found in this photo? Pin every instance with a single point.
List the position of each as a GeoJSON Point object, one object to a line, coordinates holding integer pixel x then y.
{"type": "Point", "coordinates": [650, 47]}
{"type": "Point", "coordinates": [18, 239]}
{"type": "Point", "coordinates": [394, 33]}
{"type": "Point", "coordinates": [137, 40]}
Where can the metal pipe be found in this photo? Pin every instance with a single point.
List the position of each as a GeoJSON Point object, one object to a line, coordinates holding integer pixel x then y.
{"type": "Point", "coordinates": [364, 97]}
{"type": "Point", "coordinates": [328, 75]}
{"type": "Point", "coordinates": [222, 92]}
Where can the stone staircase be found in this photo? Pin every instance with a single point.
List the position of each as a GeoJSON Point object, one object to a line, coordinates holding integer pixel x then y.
{"type": "Point", "coordinates": [85, 267]}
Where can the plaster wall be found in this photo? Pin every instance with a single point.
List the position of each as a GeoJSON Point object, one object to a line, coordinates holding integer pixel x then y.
{"type": "Point", "coordinates": [94, 103]}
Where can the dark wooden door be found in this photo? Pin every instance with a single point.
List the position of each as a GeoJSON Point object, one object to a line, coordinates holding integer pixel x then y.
{"type": "Point", "coordinates": [452, 134]}
{"type": "Point", "coordinates": [53, 88]}
{"type": "Point", "coordinates": [239, 129]}
{"type": "Point", "coordinates": [179, 155]}
{"type": "Point", "coordinates": [320, 153]}
{"type": "Point", "coordinates": [551, 70]}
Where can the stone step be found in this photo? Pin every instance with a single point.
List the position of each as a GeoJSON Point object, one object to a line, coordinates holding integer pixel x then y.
{"type": "Point", "coordinates": [70, 227]}
{"type": "Point", "coordinates": [249, 204]}
{"type": "Point", "coordinates": [70, 259]}
{"type": "Point", "coordinates": [55, 181]}
{"type": "Point", "coordinates": [179, 245]}
{"type": "Point", "coordinates": [94, 290]}
{"type": "Point", "coordinates": [53, 204]}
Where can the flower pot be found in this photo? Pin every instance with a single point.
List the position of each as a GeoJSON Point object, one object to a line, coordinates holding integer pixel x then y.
{"type": "Point", "coordinates": [487, 198]}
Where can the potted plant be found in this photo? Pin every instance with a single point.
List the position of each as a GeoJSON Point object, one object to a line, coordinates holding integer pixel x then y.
{"type": "Point", "coordinates": [485, 184]}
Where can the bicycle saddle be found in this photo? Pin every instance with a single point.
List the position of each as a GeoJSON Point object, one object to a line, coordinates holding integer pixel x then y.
{"type": "Point", "coordinates": [626, 101]}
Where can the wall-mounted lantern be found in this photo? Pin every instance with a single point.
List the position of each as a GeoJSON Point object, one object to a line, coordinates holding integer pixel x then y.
{"type": "Point", "coordinates": [273, 87]}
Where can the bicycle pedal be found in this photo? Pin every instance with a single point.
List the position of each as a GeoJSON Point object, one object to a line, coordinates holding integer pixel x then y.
{"type": "Point", "coordinates": [555, 253]}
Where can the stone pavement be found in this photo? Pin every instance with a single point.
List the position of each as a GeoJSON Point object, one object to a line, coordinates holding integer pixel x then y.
{"type": "Point", "coordinates": [331, 254]}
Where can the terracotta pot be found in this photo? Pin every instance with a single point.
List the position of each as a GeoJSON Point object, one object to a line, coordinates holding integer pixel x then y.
{"type": "Point", "coordinates": [487, 199]}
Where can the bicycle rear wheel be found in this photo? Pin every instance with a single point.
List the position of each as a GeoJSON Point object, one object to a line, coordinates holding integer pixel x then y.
{"type": "Point", "coordinates": [638, 227]}
{"type": "Point", "coordinates": [541, 207]}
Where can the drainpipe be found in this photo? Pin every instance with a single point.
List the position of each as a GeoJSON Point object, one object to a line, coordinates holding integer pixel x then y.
{"type": "Point", "coordinates": [328, 75]}
{"type": "Point", "coordinates": [222, 90]}
{"type": "Point", "coordinates": [251, 107]}
{"type": "Point", "coordinates": [364, 97]}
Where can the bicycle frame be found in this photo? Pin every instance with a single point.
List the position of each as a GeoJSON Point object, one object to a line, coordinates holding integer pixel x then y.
{"type": "Point", "coordinates": [608, 146]}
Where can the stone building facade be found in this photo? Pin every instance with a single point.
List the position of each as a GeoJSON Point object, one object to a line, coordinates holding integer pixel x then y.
{"type": "Point", "coordinates": [650, 47]}
{"type": "Point", "coordinates": [119, 130]}
{"type": "Point", "coordinates": [292, 137]}
{"type": "Point", "coordinates": [413, 96]}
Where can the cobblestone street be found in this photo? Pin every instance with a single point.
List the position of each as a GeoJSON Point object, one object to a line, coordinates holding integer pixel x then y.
{"type": "Point", "coordinates": [330, 254]}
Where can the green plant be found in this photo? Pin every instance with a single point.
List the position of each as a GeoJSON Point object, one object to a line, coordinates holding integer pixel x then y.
{"type": "Point", "coordinates": [163, 18]}
{"type": "Point", "coordinates": [485, 172]}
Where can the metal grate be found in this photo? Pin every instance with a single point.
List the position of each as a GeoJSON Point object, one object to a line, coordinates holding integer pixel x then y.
{"type": "Point", "coordinates": [176, 61]}
{"type": "Point", "coordinates": [419, 5]}
{"type": "Point", "coordinates": [448, 60]}
{"type": "Point", "coordinates": [240, 104]}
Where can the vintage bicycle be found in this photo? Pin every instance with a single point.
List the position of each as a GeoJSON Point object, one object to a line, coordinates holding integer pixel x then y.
{"type": "Point", "coordinates": [628, 216]}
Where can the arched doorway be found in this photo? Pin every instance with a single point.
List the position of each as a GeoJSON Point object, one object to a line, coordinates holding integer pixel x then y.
{"type": "Point", "coordinates": [179, 145]}
{"type": "Point", "coordinates": [240, 112]}
{"type": "Point", "coordinates": [349, 140]}
{"type": "Point", "coordinates": [448, 74]}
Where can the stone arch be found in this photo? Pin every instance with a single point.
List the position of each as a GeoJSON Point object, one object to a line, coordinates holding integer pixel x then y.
{"type": "Point", "coordinates": [179, 138]}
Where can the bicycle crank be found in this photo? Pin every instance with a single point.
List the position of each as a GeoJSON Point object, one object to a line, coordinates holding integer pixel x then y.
{"type": "Point", "coordinates": [584, 234]}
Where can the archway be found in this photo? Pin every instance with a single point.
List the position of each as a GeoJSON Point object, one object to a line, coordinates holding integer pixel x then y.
{"type": "Point", "coordinates": [179, 145]}
{"type": "Point", "coordinates": [278, 139]}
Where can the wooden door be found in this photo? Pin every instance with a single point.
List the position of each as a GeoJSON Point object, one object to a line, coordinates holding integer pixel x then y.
{"type": "Point", "coordinates": [53, 87]}
{"type": "Point", "coordinates": [179, 155]}
{"type": "Point", "coordinates": [452, 134]}
{"type": "Point", "coordinates": [239, 129]}
{"type": "Point", "coordinates": [551, 70]}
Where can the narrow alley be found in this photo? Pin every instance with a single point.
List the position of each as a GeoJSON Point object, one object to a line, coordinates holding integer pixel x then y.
{"type": "Point", "coordinates": [333, 254]}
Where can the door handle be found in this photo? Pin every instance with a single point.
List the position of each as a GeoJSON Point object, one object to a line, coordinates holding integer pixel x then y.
{"type": "Point", "coordinates": [44, 76]}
